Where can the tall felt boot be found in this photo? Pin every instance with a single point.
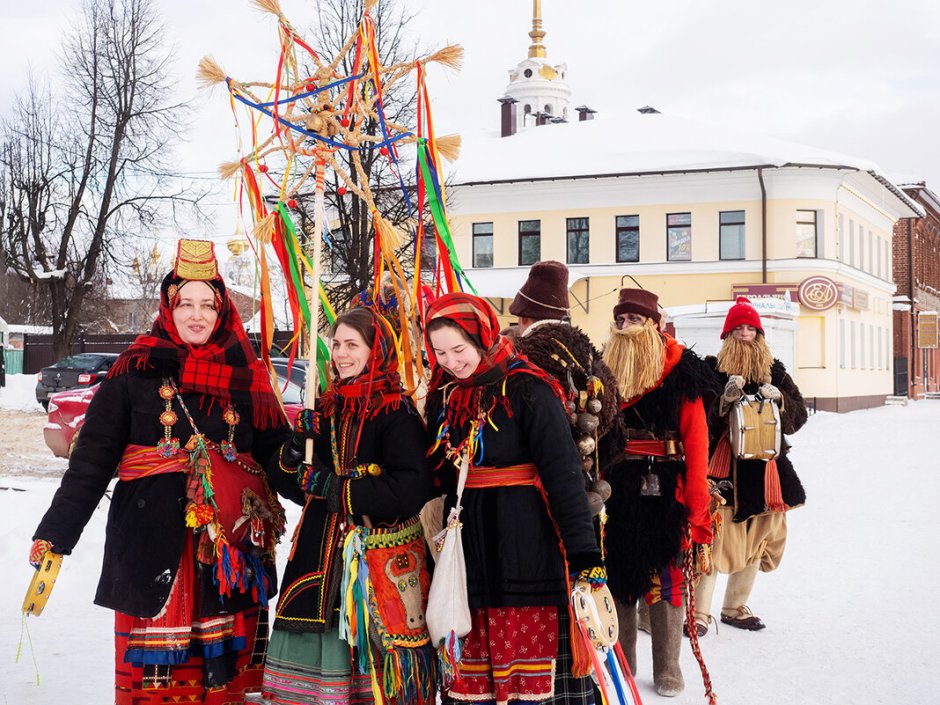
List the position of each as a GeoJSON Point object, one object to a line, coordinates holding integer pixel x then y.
{"type": "Point", "coordinates": [626, 618]}
{"type": "Point", "coordinates": [735, 611]}
{"type": "Point", "coordinates": [643, 615]}
{"type": "Point", "coordinates": [666, 622]}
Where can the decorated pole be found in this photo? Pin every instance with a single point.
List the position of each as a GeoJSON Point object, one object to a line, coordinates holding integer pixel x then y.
{"type": "Point", "coordinates": [314, 336]}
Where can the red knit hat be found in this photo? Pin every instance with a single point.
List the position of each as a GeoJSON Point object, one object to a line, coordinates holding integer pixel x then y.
{"type": "Point", "coordinates": [544, 294]}
{"type": "Point", "coordinates": [640, 301]}
{"type": "Point", "coordinates": [741, 313]}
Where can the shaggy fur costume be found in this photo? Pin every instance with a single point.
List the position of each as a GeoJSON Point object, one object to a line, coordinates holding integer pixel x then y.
{"type": "Point", "coordinates": [747, 495]}
{"type": "Point", "coordinates": [542, 347]}
{"type": "Point", "coordinates": [646, 533]}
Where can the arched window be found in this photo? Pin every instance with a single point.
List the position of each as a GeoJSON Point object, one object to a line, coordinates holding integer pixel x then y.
{"type": "Point", "coordinates": [548, 108]}
{"type": "Point", "coordinates": [527, 73]}
{"type": "Point", "coordinates": [527, 109]}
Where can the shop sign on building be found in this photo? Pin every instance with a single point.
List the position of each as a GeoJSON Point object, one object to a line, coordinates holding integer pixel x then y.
{"type": "Point", "coordinates": [927, 332]}
{"type": "Point", "coordinates": [821, 293]}
{"type": "Point", "coordinates": [769, 299]}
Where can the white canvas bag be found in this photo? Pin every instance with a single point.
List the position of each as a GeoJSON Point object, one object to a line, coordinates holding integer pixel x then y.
{"type": "Point", "coordinates": [448, 612]}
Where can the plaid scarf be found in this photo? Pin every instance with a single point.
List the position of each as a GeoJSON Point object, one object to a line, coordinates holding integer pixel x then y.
{"type": "Point", "coordinates": [376, 387]}
{"type": "Point", "coordinates": [500, 359]}
{"type": "Point", "coordinates": [224, 367]}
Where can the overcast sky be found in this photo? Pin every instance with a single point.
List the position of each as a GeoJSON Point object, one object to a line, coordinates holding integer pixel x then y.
{"type": "Point", "coordinates": [854, 76]}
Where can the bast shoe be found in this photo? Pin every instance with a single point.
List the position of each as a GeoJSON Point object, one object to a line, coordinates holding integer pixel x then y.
{"type": "Point", "coordinates": [701, 626]}
{"type": "Point", "coordinates": [743, 618]}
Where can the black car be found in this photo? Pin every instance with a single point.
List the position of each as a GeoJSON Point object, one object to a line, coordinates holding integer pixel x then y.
{"type": "Point", "coordinates": [73, 372]}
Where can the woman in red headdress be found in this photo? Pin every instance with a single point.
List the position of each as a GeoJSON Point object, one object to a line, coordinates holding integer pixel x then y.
{"type": "Point", "coordinates": [190, 421]}
{"type": "Point", "coordinates": [527, 527]}
{"type": "Point", "coordinates": [350, 625]}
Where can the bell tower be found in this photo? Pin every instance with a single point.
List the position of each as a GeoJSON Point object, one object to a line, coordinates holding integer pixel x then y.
{"type": "Point", "coordinates": [536, 84]}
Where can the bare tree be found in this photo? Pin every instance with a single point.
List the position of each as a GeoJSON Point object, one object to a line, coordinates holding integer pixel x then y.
{"type": "Point", "coordinates": [81, 174]}
{"type": "Point", "coordinates": [350, 250]}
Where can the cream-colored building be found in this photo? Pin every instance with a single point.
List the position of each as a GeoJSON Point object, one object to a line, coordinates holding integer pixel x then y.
{"type": "Point", "coordinates": [698, 214]}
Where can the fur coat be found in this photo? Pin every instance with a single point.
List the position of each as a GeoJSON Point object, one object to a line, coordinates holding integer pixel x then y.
{"type": "Point", "coordinates": [747, 476]}
{"type": "Point", "coordinates": [645, 534]}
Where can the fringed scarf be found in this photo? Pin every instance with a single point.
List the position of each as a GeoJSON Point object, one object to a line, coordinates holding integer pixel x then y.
{"type": "Point", "coordinates": [719, 467]}
{"type": "Point", "coordinates": [378, 386]}
{"type": "Point", "coordinates": [225, 367]}
{"type": "Point", "coordinates": [475, 397]}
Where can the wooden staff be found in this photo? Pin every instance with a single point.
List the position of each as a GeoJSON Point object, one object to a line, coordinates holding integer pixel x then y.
{"type": "Point", "coordinates": [313, 381]}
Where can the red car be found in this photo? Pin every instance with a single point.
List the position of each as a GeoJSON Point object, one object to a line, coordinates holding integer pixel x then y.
{"type": "Point", "coordinates": [67, 410]}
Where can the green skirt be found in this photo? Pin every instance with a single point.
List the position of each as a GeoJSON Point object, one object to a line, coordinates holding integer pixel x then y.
{"type": "Point", "coordinates": [308, 669]}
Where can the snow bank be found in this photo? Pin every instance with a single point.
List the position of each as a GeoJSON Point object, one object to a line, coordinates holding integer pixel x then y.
{"type": "Point", "coordinates": [19, 394]}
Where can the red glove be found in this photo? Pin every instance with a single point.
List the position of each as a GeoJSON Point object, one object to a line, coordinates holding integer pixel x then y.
{"type": "Point", "coordinates": [37, 551]}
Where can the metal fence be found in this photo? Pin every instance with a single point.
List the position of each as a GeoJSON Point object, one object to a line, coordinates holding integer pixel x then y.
{"type": "Point", "coordinates": [13, 362]}
{"type": "Point", "coordinates": [37, 349]}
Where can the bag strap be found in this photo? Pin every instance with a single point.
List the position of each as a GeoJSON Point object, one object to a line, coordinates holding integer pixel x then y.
{"type": "Point", "coordinates": [462, 472]}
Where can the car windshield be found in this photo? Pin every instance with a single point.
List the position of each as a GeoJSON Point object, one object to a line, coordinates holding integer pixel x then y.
{"type": "Point", "coordinates": [79, 362]}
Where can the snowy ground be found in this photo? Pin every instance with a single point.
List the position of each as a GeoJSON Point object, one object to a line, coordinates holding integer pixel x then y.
{"type": "Point", "coordinates": [849, 613]}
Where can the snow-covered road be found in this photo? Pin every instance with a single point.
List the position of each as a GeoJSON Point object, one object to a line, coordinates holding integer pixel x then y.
{"type": "Point", "coordinates": [849, 613]}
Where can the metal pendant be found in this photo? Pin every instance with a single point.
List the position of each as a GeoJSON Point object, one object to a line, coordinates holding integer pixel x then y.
{"type": "Point", "coordinates": [649, 484]}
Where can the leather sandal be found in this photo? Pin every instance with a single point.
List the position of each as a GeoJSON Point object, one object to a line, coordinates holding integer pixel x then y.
{"type": "Point", "coordinates": [744, 619]}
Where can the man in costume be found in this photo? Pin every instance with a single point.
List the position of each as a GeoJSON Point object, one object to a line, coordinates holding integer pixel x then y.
{"type": "Point", "coordinates": [659, 499]}
{"type": "Point", "coordinates": [753, 522]}
{"type": "Point", "coordinates": [545, 336]}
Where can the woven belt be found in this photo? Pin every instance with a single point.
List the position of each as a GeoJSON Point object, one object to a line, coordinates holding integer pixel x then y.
{"type": "Point", "coordinates": [145, 461]}
{"type": "Point", "coordinates": [510, 476]}
{"type": "Point", "coordinates": [638, 449]}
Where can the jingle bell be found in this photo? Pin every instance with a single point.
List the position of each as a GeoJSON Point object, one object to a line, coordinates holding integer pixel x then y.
{"type": "Point", "coordinates": [587, 423]}
{"type": "Point", "coordinates": [602, 487]}
{"type": "Point", "coordinates": [586, 445]}
{"type": "Point", "coordinates": [594, 406]}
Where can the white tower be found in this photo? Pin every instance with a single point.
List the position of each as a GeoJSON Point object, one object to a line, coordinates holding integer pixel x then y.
{"type": "Point", "coordinates": [536, 84]}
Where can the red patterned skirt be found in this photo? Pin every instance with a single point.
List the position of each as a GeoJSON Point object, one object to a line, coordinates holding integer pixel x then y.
{"type": "Point", "coordinates": [179, 657]}
{"type": "Point", "coordinates": [509, 654]}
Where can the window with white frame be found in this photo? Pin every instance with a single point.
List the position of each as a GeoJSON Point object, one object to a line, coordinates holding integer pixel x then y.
{"type": "Point", "coordinates": [679, 237]}
{"type": "Point", "coordinates": [806, 234]}
{"type": "Point", "coordinates": [530, 241]}
{"type": "Point", "coordinates": [731, 235]}
{"type": "Point", "coordinates": [578, 241]}
{"type": "Point", "coordinates": [842, 343]}
{"type": "Point", "coordinates": [482, 244]}
{"type": "Point", "coordinates": [628, 238]}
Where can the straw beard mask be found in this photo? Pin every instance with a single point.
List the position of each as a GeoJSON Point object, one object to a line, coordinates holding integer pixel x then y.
{"type": "Point", "coordinates": [636, 355]}
{"type": "Point", "coordinates": [751, 359]}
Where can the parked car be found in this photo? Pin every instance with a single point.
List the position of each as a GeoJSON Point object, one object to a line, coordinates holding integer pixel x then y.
{"type": "Point", "coordinates": [73, 372]}
{"type": "Point", "coordinates": [67, 409]}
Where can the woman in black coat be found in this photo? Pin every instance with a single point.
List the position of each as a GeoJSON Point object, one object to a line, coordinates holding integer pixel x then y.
{"type": "Point", "coordinates": [189, 420]}
{"type": "Point", "coordinates": [524, 497]}
{"type": "Point", "coordinates": [368, 478]}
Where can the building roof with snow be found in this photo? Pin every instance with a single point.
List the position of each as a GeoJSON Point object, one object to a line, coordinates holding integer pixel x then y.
{"type": "Point", "coordinates": [635, 144]}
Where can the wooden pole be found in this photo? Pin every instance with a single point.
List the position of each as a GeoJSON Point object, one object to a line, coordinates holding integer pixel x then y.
{"type": "Point", "coordinates": [314, 298]}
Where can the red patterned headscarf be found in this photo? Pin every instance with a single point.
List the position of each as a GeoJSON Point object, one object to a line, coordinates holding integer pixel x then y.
{"type": "Point", "coordinates": [225, 366]}
{"type": "Point", "coordinates": [379, 383]}
{"type": "Point", "coordinates": [477, 319]}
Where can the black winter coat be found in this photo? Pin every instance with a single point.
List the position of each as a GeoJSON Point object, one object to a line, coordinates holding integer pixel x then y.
{"type": "Point", "coordinates": [510, 545]}
{"type": "Point", "coordinates": [646, 533]}
{"type": "Point", "coordinates": [395, 440]}
{"type": "Point", "coordinates": [747, 477]}
{"type": "Point", "coordinates": [145, 532]}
